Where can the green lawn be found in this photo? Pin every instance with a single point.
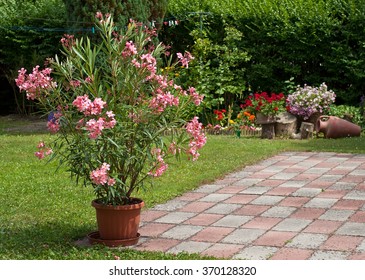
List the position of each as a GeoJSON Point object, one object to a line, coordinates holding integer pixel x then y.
{"type": "Point", "coordinates": [42, 212]}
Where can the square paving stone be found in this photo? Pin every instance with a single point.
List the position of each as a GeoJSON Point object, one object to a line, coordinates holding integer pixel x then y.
{"type": "Point", "coordinates": [279, 212]}
{"type": "Point", "coordinates": [355, 195]}
{"type": "Point", "coordinates": [171, 205]}
{"type": "Point", "coordinates": [232, 221]}
{"type": "Point", "coordinates": [243, 236]}
{"type": "Point", "coordinates": [256, 253]}
{"type": "Point", "coordinates": [267, 200]}
{"type": "Point", "coordinates": [182, 232]}
{"type": "Point", "coordinates": [262, 222]}
{"type": "Point", "coordinates": [212, 234]}
{"type": "Point", "coordinates": [294, 184]}
{"type": "Point", "coordinates": [323, 226]}
{"type": "Point", "coordinates": [204, 219]}
{"type": "Point", "coordinates": [175, 217]}
{"type": "Point", "coordinates": [216, 197]}
{"type": "Point", "coordinates": [350, 228]}
{"type": "Point", "coordinates": [190, 247]}
{"type": "Point", "coordinates": [284, 176]}
{"type": "Point", "coordinates": [318, 202]}
{"type": "Point", "coordinates": [317, 170]}
{"type": "Point", "coordinates": [295, 225]}
{"type": "Point", "coordinates": [209, 188]}
{"type": "Point", "coordinates": [361, 247]}
{"type": "Point", "coordinates": [275, 238]}
{"type": "Point", "coordinates": [336, 215]}
{"type": "Point", "coordinates": [292, 254]}
{"type": "Point", "coordinates": [307, 240]}
{"type": "Point", "coordinates": [358, 172]}
{"type": "Point", "coordinates": [307, 192]}
{"type": "Point", "coordinates": [341, 243]}
{"type": "Point", "coordinates": [222, 251]}
{"type": "Point", "coordinates": [256, 190]}
{"type": "Point", "coordinates": [248, 182]}
{"type": "Point", "coordinates": [223, 208]}
{"type": "Point", "coordinates": [342, 186]}
{"type": "Point", "coordinates": [329, 255]}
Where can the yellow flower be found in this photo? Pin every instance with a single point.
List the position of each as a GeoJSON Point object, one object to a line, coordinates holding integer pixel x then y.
{"type": "Point", "coordinates": [231, 122]}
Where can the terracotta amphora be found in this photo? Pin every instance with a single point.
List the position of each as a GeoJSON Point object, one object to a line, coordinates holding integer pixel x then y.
{"type": "Point", "coordinates": [334, 127]}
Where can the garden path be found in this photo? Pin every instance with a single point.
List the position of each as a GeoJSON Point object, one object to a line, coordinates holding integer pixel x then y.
{"type": "Point", "coordinates": [295, 205]}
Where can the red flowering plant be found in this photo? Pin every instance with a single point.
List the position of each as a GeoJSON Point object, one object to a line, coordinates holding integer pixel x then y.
{"type": "Point", "coordinates": [267, 104]}
{"type": "Point", "coordinates": [111, 106]}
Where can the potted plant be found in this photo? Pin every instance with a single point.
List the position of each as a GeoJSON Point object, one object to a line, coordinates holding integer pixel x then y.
{"type": "Point", "coordinates": [116, 118]}
{"type": "Point", "coordinates": [265, 106]}
{"type": "Point", "coordinates": [308, 103]}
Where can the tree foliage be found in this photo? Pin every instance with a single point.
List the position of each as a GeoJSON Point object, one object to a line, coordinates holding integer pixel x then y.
{"type": "Point", "coordinates": [83, 11]}
{"type": "Point", "coordinates": [313, 41]}
{"type": "Point", "coordinates": [30, 32]}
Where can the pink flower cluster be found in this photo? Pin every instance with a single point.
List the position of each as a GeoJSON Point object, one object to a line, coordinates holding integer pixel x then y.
{"type": "Point", "coordinates": [53, 124]}
{"type": "Point", "coordinates": [100, 175]}
{"type": "Point", "coordinates": [95, 127]}
{"type": "Point", "coordinates": [160, 165]}
{"type": "Point", "coordinates": [185, 59]}
{"type": "Point", "coordinates": [68, 41]}
{"type": "Point", "coordinates": [129, 49]}
{"type": "Point", "coordinates": [149, 63]}
{"type": "Point", "coordinates": [84, 105]}
{"type": "Point", "coordinates": [196, 96]}
{"type": "Point", "coordinates": [75, 83]}
{"type": "Point", "coordinates": [163, 99]}
{"type": "Point", "coordinates": [34, 83]}
{"type": "Point", "coordinates": [42, 150]}
{"type": "Point", "coordinates": [194, 128]}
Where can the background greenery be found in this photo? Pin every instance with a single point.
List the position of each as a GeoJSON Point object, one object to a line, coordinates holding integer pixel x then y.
{"type": "Point", "coordinates": [313, 41]}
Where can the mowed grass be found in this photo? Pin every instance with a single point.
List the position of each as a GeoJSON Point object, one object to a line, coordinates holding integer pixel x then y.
{"type": "Point", "coordinates": [43, 213]}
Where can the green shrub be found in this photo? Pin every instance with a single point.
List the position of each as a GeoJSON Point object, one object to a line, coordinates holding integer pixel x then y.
{"type": "Point", "coordinates": [351, 113]}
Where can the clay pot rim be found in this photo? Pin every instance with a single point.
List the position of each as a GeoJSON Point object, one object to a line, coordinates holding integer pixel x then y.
{"type": "Point", "coordinates": [139, 203]}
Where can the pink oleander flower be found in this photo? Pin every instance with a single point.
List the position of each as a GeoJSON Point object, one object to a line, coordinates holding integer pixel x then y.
{"type": "Point", "coordinates": [53, 126]}
{"type": "Point", "coordinates": [162, 100]}
{"type": "Point", "coordinates": [100, 175]}
{"type": "Point", "coordinates": [99, 15]}
{"type": "Point", "coordinates": [196, 96]}
{"type": "Point", "coordinates": [75, 83]}
{"type": "Point", "coordinates": [43, 151]}
{"type": "Point", "coordinates": [68, 41]}
{"type": "Point", "coordinates": [88, 80]}
{"type": "Point", "coordinates": [185, 59]}
{"type": "Point", "coordinates": [84, 105]}
{"type": "Point", "coordinates": [34, 83]}
{"type": "Point", "coordinates": [160, 166]}
{"type": "Point", "coordinates": [95, 127]}
{"type": "Point", "coordinates": [194, 128]}
{"type": "Point", "coordinates": [129, 49]}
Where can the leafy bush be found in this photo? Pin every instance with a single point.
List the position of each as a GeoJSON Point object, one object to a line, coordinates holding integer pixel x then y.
{"type": "Point", "coordinates": [351, 113]}
{"type": "Point", "coordinates": [30, 32]}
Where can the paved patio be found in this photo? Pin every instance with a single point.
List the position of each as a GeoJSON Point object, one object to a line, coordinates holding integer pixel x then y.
{"type": "Point", "coordinates": [293, 206]}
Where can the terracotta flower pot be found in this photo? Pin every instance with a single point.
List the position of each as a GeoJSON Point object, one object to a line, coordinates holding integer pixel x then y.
{"type": "Point", "coordinates": [117, 225]}
{"type": "Point", "coordinates": [334, 127]}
